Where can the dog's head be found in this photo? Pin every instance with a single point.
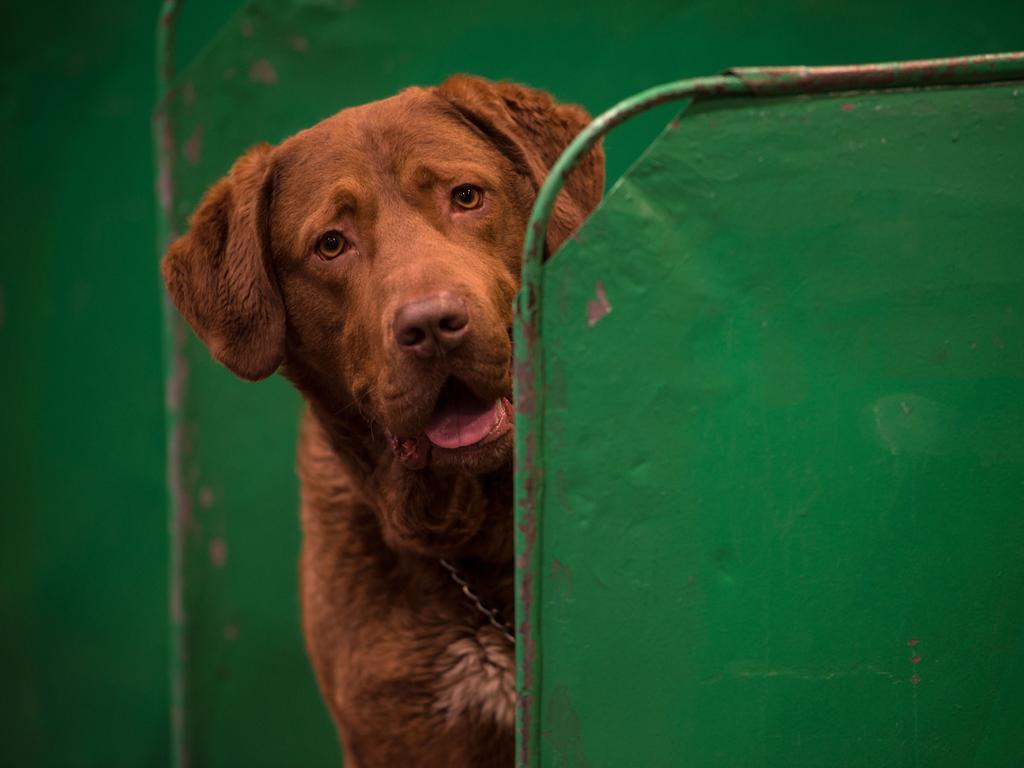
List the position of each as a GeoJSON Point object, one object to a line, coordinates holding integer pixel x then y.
{"type": "Point", "coordinates": [375, 256]}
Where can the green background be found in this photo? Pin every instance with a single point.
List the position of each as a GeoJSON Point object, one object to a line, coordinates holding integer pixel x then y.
{"type": "Point", "coordinates": [83, 549]}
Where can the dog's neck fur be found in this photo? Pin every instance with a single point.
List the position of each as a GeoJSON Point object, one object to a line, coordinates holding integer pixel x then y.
{"type": "Point", "coordinates": [451, 515]}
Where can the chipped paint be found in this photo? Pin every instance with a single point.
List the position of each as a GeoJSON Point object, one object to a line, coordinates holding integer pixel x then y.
{"type": "Point", "coordinates": [598, 307]}
{"type": "Point", "coordinates": [774, 81]}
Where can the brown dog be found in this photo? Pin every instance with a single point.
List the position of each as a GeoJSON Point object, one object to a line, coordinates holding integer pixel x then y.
{"type": "Point", "coordinates": [373, 259]}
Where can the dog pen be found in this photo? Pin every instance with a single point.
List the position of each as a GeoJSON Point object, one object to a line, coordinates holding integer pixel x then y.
{"type": "Point", "coordinates": [770, 399]}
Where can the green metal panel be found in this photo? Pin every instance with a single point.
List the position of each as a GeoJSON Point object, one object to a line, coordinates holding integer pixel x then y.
{"type": "Point", "coordinates": [83, 543]}
{"type": "Point", "coordinates": [778, 440]}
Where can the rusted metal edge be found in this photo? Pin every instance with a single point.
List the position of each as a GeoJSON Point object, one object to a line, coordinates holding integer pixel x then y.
{"type": "Point", "coordinates": [529, 373]}
{"type": "Point", "coordinates": [779, 81]}
{"type": "Point", "coordinates": [176, 373]}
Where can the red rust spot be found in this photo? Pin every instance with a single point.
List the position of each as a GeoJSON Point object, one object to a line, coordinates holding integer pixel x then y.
{"type": "Point", "coordinates": [230, 632]}
{"type": "Point", "coordinates": [165, 188]}
{"type": "Point", "coordinates": [185, 518]}
{"type": "Point", "coordinates": [299, 43]}
{"type": "Point", "coordinates": [246, 28]}
{"type": "Point", "coordinates": [194, 146]}
{"type": "Point", "coordinates": [218, 552]}
{"type": "Point", "coordinates": [206, 497]}
{"type": "Point", "coordinates": [560, 570]}
{"type": "Point", "coordinates": [525, 699]}
{"type": "Point", "coordinates": [915, 659]}
{"type": "Point", "coordinates": [524, 395]}
{"type": "Point", "coordinates": [912, 642]}
{"type": "Point", "coordinates": [529, 525]}
{"type": "Point", "coordinates": [915, 679]}
{"type": "Point", "coordinates": [848, 107]}
{"type": "Point", "coordinates": [262, 71]}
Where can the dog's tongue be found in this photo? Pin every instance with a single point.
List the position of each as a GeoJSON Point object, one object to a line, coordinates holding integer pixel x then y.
{"type": "Point", "coordinates": [461, 418]}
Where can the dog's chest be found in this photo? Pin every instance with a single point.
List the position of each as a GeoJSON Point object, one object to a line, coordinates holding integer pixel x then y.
{"type": "Point", "coordinates": [476, 679]}
{"type": "Point", "coordinates": [431, 644]}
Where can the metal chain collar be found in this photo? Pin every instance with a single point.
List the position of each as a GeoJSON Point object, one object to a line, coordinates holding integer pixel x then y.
{"type": "Point", "coordinates": [492, 614]}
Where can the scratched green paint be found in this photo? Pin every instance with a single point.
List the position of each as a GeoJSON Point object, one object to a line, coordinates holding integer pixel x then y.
{"type": "Point", "coordinates": [784, 475]}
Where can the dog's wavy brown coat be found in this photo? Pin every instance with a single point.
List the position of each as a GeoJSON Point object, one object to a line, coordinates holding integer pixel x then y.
{"type": "Point", "coordinates": [411, 674]}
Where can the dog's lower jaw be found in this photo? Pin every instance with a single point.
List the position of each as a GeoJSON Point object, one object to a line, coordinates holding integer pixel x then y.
{"type": "Point", "coordinates": [435, 511]}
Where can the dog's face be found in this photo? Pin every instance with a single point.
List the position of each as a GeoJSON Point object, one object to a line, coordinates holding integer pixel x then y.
{"type": "Point", "coordinates": [375, 257]}
{"type": "Point", "coordinates": [397, 244]}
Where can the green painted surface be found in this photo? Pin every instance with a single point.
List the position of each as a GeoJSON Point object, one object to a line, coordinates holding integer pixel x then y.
{"type": "Point", "coordinates": [83, 550]}
{"type": "Point", "coordinates": [784, 474]}
{"type": "Point", "coordinates": [83, 547]}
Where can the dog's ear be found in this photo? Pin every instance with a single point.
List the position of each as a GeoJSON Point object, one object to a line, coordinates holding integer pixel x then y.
{"type": "Point", "coordinates": [531, 129]}
{"type": "Point", "coordinates": [218, 273]}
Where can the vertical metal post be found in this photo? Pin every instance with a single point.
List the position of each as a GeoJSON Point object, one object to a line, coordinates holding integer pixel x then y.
{"type": "Point", "coordinates": [174, 383]}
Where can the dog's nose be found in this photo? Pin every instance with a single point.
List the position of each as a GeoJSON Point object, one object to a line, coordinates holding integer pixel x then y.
{"type": "Point", "coordinates": [428, 325]}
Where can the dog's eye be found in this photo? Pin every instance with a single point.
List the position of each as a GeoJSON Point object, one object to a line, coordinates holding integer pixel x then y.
{"type": "Point", "coordinates": [331, 245]}
{"type": "Point", "coordinates": [467, 197]}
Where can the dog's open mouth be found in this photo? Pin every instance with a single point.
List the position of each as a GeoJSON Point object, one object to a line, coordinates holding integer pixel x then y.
{"type": "Point", "coordinates": [461, 421]}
